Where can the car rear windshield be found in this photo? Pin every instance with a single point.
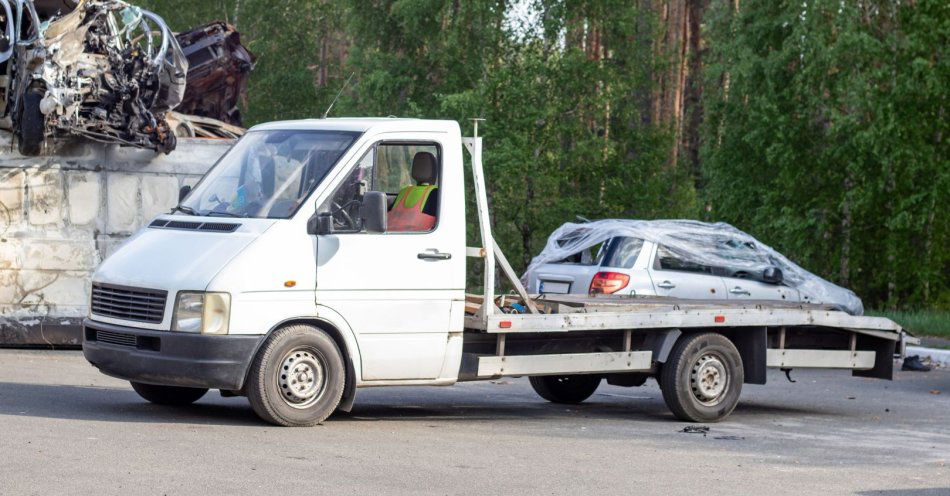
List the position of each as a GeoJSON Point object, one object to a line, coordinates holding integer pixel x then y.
{"type": "Point", "coordinates": [622, 252]}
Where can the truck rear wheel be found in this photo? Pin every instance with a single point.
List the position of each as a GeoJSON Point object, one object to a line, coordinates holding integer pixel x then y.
{"type": "Point", "coordinates": [570, 389]}
{"type": "Point", "coordinates": [168, 395]}
{"type": "Point", "coordinates": [297, 377]}
{"type": "Point", "coordinates": [702, 379]}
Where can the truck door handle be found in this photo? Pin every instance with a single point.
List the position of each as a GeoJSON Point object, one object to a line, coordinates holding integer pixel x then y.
{"type": "Point", "coordinates": [738, 290]}
{"type": "Point", "coordinates": [666, 285]}
{"type": "Point", "coordinates": [433, 254]}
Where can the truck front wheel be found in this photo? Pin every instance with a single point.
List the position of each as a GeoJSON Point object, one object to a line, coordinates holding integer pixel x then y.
{"type": "Point", "coordinates": [702, 379]}
{"type": "Point", "coordinates": [297, 377]}
{"type": "Point", "coordinates": [168, 395]}
{"type": "Point", "coordinates": [570, 389]}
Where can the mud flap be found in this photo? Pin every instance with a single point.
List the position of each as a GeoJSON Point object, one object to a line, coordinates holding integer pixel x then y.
{"type": "Point", "coordinates": [883, 357]}
{"type": "Point", "coordinates": [751, 344]}
{"type": "Point", "coordinates": [349, 388]}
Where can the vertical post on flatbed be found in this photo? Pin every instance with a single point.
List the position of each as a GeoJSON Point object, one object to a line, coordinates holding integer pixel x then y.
{"type": "Point", "coordinates": [781, 338]}
{"type": "Point", "coordinates": [627, 340]}
{"type": "Point", "coordinates": [500, 345]}
{"type": "Point", "coordinates": [474, 146]}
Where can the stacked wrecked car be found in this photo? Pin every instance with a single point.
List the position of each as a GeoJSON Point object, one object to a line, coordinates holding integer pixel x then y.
{"type": "Point", "coordinates": [110, 72]}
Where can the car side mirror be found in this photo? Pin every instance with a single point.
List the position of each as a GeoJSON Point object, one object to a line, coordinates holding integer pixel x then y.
{"type": "Point", "coordinates": [320, 223]}
{"type": "Point", "coordinates": [772, 275]}
{"type": "Point", "coordinates": [373, 211]}
{"type": "Point", "coordinates": [183, 192]}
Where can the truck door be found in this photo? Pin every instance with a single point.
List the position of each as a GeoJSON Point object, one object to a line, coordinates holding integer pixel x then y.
{"type": "Point", "coordinates": [676, 277]}
{"type": "Point", "coordinates": [396, 289]}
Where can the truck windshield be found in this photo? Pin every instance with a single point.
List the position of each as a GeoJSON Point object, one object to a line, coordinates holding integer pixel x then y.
{"type": "Point", "coordinates": [268, 174]}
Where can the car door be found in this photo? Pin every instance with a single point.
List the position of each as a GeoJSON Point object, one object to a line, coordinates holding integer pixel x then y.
{"type": "Point", "coordinates": [395, 289]}
{"type": "Point", "coordinates": [745, 287]}
{"type": "Point", "coordinates": [745, 283]}
{"type": "Point", "coordinates": [676, 277]}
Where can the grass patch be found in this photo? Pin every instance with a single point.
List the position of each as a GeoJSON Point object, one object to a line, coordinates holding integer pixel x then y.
{"type": "Point", "coordinates": [920, 322]}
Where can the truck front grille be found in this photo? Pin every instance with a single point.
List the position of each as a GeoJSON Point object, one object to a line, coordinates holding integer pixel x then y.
{"type": "Point", "coordinates": [120, 302]}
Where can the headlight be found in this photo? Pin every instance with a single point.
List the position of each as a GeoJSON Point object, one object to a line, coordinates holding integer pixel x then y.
{"type": "Point", "coordinates": [207, 313]}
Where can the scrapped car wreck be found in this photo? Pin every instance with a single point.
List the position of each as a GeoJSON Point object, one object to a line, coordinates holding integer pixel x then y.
{"type": "Point", "coordinates": [112, 72]}
{"type": "Point", "coordinates": [218, 66]}
{"type": "Point", "coordinates": [104, 70]}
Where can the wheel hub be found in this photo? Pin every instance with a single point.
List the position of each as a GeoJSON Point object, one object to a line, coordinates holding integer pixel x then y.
{"type": "Point", "coordinates": [709, 379]}
{"type": "Point", "coordinates": [301, 378]}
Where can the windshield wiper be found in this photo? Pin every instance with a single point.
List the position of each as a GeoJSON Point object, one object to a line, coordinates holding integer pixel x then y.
{"type": "Point", "coordinates": [187, 210]}
{"type": "Point", "coordinates": [215, 213]}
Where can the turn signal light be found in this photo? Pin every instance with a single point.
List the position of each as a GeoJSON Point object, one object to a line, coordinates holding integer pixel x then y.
{"type": "Point", "coordinates": [608, 282]}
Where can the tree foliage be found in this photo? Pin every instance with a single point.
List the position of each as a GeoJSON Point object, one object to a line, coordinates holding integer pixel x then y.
{"type": "Point", "coordinates": [823, 124]}
{"type": "Point", "coordinates": [826, 134]}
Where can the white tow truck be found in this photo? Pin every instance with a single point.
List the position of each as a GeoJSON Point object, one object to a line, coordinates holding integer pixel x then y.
{"type": "Point", "coordinates": [320, 256]}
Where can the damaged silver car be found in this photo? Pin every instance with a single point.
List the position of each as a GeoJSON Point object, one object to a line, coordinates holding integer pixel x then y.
{"type": "Point", "coordinates": [102, 69]}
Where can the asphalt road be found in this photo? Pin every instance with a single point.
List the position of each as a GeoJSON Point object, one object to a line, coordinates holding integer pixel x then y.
{"type": "Point", "coordinates": [66, 429]}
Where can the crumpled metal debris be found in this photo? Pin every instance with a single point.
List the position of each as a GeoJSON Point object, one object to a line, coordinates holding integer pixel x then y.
{"type": "Point", "coordinates": [105, 70]}
{"type": "Point", "coordinates": [193, 126]}
{"type": "Point", "coordinates": [218, 67]}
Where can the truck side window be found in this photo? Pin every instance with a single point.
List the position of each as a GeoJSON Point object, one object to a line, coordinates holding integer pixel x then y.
{"type": "Point", "coordinates": [409, 175]}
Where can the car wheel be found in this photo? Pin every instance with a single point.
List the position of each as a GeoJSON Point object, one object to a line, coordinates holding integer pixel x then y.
{"type": "Point", "coordinates": [570, 389]}
{"type": "Point", "coordinates": [297, 377]}
{"type": "Point", "coordinates": [168, 395]}
{"type": "Point", "coordinates": [702, 379]}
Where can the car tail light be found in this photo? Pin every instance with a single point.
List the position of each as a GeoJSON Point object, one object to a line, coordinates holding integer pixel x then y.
{"type": "Point", "coordinates": [608, 282]}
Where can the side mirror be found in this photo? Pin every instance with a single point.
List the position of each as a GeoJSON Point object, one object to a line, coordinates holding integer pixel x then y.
{"type": "Point", "coordinates": [772, 275]}
{"type": "Point", "coordinates": [320, 223]}
{"type": "Point", "coordinates": [373, 211]}
{"type": "Point", "coordinates": [183, 192]}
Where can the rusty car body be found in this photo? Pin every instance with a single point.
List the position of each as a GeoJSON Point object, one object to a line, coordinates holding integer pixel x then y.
{"type": "Point", "coordinates": [218, 67]}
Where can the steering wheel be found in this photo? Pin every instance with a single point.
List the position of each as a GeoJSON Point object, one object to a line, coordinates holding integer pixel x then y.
{"type": "Point", "coordinates": [347, 220]}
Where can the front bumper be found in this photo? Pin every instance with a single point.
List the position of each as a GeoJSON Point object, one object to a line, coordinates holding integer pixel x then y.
{"type": "Point", "coordinates": [169, 358]}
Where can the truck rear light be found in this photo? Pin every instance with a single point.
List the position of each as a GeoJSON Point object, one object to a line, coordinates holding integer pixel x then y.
{"type": "Point", "coordinates": [608, 282]}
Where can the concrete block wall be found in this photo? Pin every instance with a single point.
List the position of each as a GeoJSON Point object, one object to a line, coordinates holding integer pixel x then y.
{"type": "Point", "coordinates": [62, 214]}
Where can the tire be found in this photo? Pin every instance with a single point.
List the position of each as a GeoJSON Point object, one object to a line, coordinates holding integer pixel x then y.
{"type": "Point", "coordinates": [307, 397]}
{"type": "Point", "coordinates": [168, 395]}
{"type": "Point", "coordinates": [32, 125]}
{"type": "Point", "coordinates": [702, 379]}
{"type": "Point", "coordinates": [568, 389]}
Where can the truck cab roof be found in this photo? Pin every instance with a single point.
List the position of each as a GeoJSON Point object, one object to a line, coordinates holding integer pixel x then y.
{"type": "Point", "coordinates": [363, 124]}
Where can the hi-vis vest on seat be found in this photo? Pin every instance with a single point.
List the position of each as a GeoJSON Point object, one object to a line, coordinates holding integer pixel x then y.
{"type": "Point", "coordinates": [406, 214]}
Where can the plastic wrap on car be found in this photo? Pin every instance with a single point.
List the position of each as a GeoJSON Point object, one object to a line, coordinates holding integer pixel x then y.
{"type": "Point", "coordinates": [708, 244]}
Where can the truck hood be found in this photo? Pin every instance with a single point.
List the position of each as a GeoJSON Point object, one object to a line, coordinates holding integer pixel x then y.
{"type": "Point", "coordinates": [177, 259]}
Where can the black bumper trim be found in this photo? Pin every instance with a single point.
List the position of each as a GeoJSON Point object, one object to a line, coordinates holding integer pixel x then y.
{"type": "Point", "coordinates": [172, 358]}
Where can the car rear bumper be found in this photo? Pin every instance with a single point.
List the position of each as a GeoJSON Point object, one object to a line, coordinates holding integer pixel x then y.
{"type": "Point", "coordinates": [169, 358]}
